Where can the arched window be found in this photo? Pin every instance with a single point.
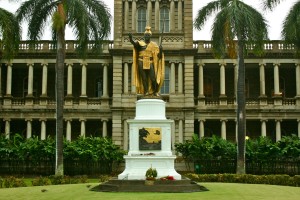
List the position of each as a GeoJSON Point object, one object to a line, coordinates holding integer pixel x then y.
{"type": "Point", "coordinates": [164, 20]}
{"type": "Point", "coordinates": [141, 19]}
{"type": "Point", "coordinates": [166, 85]}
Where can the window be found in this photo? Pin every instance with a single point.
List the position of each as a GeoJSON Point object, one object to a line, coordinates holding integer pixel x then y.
{"type": "Point", "coordinates": [141, 20]}
{"type": "Point", "coordinates": [208, 87]}
{"type": "Point", "coordinates": [166, 85]}
{"type": "Point", "coordinates": [164, 20]}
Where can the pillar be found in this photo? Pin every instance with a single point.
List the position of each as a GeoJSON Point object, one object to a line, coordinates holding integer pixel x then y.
{"type": "Point", "coordinates": [125, 80]}
{"type": "Point", "coordinates": [9, 79]}
{"type": "Point", "coordinates": [126, 15]}
{"type": "Point", "coordinates": [7, 128]}
{"type": "Point", "coordinates": [45, 79]}
{"type": "Point", "coordinates": [105, 81]}
{"type": "Point", "coordinates": [180, 15]}
{"type": "Point", "coordinates": [180, 131]}
{"type": "Point", "coordinates": [180, 78]}
{"type": "Point", "coordinates": [172, 78]}
{"type": "Point", "coordinates": [298, 79]}
{"type": "Point", "coordinates": [125, 137]}
{"type": "Point", "coordinates": [83, 80]}
{"type": "Point", "coordinates": [172, 15]}
{"type": "Point", "coordinates": [133, 90]}
{"type": "Point", "coordinates": [43, 129]}
{"type": "Point", "coordinates": [223, 128]}
{"type": "Point", "coordinates": [276, 79]}
{"type": "Point", "coordinates": [149, 12]}
{"type": "Point", "coordinates": [201, 81]}
{"type": "Point", "coordinates": [201, 128]}
{"type": "Point", "coordinates": [222, 80]}
{"type": "Point", "coordinates": [262, 81]}
{"type": "Point", "coordinates": [70, 79]}
{"type": "Point", "coordinates": [69, 130]}
{"type": "Point", "coordinates": [299, 128]}
{"type": "Point", "coordinates": [104, 128]}
{"type": "Point", "coordinates": [156, 15]}
{"type": "Point", "coordinates": [82, 128]}
{"type": "Point", "coordinates": [30, 80]}
{"type": "Point", "coordinates": [29, 128]}
{"type": "Point", "coordinates": [278, 130]}
{"type": "Point", "coordinates": [133, 19]}
{"type": "Point", "coordinates": [263, 128]}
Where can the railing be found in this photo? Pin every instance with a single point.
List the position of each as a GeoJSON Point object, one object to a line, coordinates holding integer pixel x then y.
{"type": "Point", "coordinates": [47, 167]}
{"type": "Point", "coordinates": [282, 166]}
{"type": "Point", "coordinates": [270, 46]}
{"type": "Point", "coordinates": [49, 46]}
{"type": "Point", "coordinates": [249, 101]}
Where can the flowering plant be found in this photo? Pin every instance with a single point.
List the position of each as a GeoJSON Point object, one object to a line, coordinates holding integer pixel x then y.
{"type": "Point", "coordinates": [151, 174]}
{"type": "Point", "coordinates": [169, 178]}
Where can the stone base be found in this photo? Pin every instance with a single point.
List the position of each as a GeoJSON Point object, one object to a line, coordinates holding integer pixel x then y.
{"type": "Point", "coordinates": [175, 186]}
{"type": "Point", "coordinates": [136, 167]}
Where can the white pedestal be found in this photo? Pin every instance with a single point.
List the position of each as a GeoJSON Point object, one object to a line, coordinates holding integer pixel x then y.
{"type": "Point", "coordinates": [150, 118]}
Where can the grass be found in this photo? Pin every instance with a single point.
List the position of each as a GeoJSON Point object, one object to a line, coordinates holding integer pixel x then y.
{"type": "Point", "coordinates": [218, 191]}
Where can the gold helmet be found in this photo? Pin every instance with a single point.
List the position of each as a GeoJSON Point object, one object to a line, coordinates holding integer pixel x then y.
{"type": "Point", "coordinates": [148, 30]}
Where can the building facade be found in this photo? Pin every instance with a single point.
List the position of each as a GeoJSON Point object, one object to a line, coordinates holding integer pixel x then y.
{"type": "Point", "coordinates": [198, 88]}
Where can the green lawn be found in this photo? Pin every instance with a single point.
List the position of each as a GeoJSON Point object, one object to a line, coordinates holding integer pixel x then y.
{"type": "Point", "coordinates": [218, 191]}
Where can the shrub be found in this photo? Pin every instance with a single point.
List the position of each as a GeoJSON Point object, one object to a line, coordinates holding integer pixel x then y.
{"type": "Point", "coordinates": [40, 181]}
{"type": "Point", "coordinates": [10, 182]}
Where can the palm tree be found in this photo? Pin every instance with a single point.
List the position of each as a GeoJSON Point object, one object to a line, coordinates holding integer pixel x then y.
{"type": "Point", "coordinates": [9, 34]}
{"type": "Point", "coordinates": [90, 21]}
{"type": "Point", "coordinates": [291, 24]}
{"type": "Point", "coordinates": [235, 20]}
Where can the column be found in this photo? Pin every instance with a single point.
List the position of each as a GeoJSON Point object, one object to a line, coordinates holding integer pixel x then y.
{"type": "Point", "coordinates": [133, 19]}
{"type": "Point", "coordinates": [278, 130]}
{"type": "Point", "coordinates": [156, 15]}
{"type": "Point", "coordinates": [201, 128]}
{"type": "Point", "coordinates": [172, 86]}
{"type": "Point", "coordinates": [236, 66]}
{"type": "Point", "coordinates": [263, 128]}
{"type": "Point", "coordinates": [125, 137]}
{"type": "Point", "coordinates": [9, 79]}
{"type": "Point", "coordinates": [223, 128]}
{"type": "Point", "coordinates": [30, 80]}
{"type": "Point", "coordinates": [125, 80]}
{"type": "Point", "coordinates": [126, 15]}
{"type": "Point", "coordinates": [45, 79]}
{"type": "Point", "coordinates": [83, 80]}
{"type": "Point", "coordinates": [70, 80]}
{"type": "Point", "coordinates": [29, 128]}
{"type": "Point", "coordinates": [69, 130]}
{"type": "Point", "coordinates": [149, 12]}
{"type": "Point", "coordinates": [276, 80]}
{"type": "Point", "coordinates": [133, 91]}
{"type": "Point", "coordinates": [180, 131]}
{"type": "Point", "coordinates": [104, 128]}
{"type": "Point", "coordinates": [82, 128]}
{"type": "Point", "coordinates": [222, 79]}
{"type": "Point", "coordinates": [172, 15]}
{"type": "Point", "coordinates": [180, 15]}
{"type": "Point", "coordinates": [262, 79]}
{"type": "Point", "coordinates": [298, 79]}
{"type": "Point", "coordinates": [201, 81]}
{"type": "Point", "coordinates": [180, 78]}
{"type": "Point", "coordinates": [298, 128]}
{"type": "Point", "coordinates": [43, 129]}
{"type": "Point", "coordinates": [0, 80]}
{"type": "Point", "coordinates": [105, 75]}
{"type": "Point", "coordinates": [7, 128]}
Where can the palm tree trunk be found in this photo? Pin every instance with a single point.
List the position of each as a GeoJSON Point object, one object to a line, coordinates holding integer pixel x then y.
{"type": "Point", "coordinates": [60, 62]}
{"type": "Point", "coordinates": [241, 113]}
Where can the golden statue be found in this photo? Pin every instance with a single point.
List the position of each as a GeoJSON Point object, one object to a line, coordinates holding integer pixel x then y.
{"type": "Point", "coordinates": [148, 65]}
